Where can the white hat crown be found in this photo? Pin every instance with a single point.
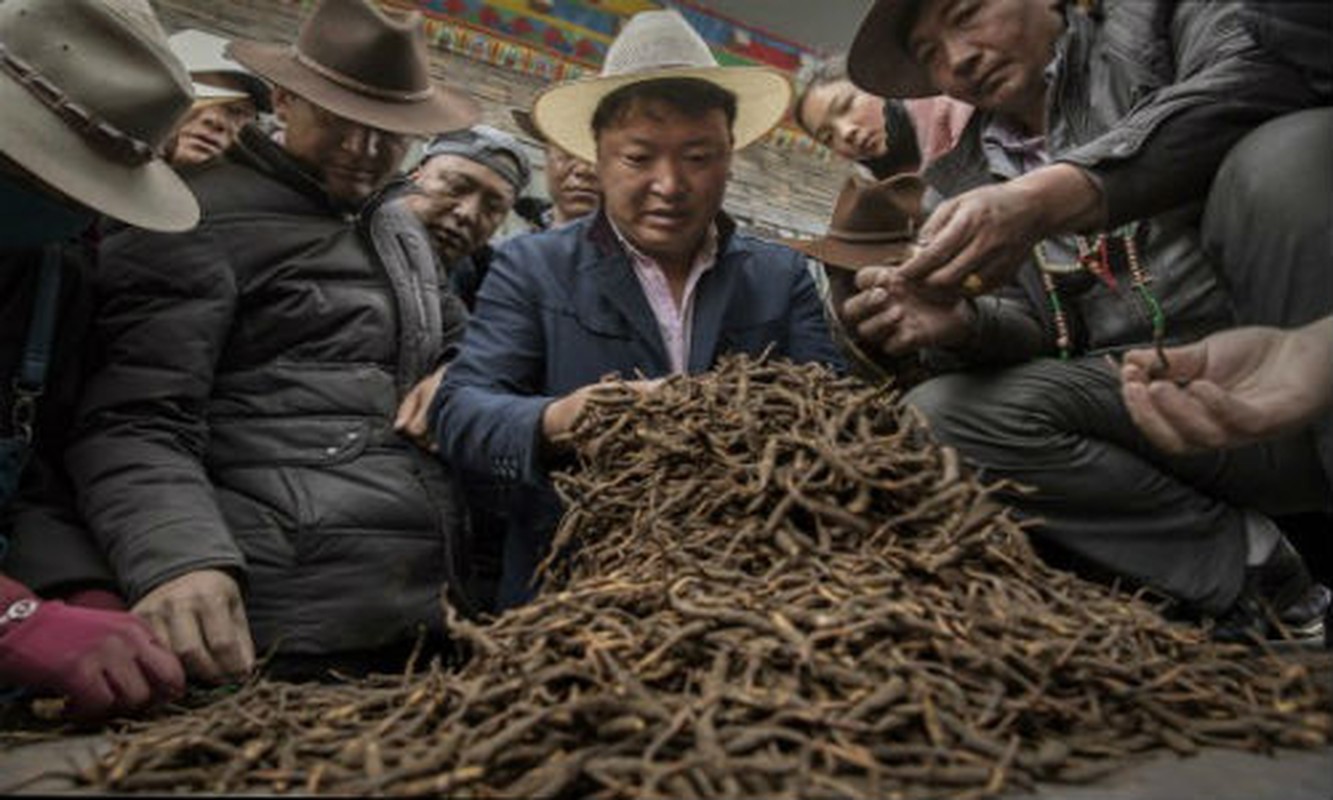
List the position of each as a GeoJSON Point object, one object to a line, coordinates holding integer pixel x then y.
{"type": "Point", "coordinates": [659, 45]}
{"type": "Point", "coordinates": [656, 40]}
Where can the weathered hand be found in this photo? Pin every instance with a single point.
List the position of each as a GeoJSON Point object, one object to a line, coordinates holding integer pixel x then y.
{"type": "Point", "coordinates": [893, 316]}
{"type": "Point", "coordinates": [101, 662]}
{"type": "Point", "coordinates": [1232, 388]}
{"type": "Point", "coordinates": [413, 419]}
{"type": "Point", "coordinates": [990, 231]}
{"type": "Point", "coordinates": [560, 416]}
{"type": "Point", "coordinates": [201, 617]}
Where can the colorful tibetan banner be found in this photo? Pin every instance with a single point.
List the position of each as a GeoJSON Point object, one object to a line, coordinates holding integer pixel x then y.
{"type": "Point", "coordinates": [557, 40]}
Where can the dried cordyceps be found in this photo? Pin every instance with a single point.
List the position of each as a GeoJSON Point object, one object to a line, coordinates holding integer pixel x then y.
{"type": "Point", "coordinates": [769, 583]}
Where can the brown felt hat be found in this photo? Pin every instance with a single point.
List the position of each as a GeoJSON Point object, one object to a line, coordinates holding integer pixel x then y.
{"type": "Point", "coordinates": [90, 91]}
{"type": "Point", "coordinates": [873, 223]}
{"type": "Point", "coordinates": [364, 65]}
{"type": "Point", "coordinates": [879, 61]}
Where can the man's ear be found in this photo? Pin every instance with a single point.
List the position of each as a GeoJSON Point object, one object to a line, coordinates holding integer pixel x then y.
{"type": "Point", "coordinates": [282, 102]}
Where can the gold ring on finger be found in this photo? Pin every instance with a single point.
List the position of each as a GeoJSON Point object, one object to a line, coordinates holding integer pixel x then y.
{"type": "Point", "coordinates": [973, 285]}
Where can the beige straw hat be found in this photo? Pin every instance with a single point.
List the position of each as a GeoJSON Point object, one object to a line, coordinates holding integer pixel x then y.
{"type": "Point", "coordinates": [204, 54]}
{"type": "Point", "coordinates": [656, 45]}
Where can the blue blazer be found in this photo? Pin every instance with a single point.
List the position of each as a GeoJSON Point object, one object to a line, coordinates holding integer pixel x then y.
{"type": "Point", "coordinates": [562, 309]}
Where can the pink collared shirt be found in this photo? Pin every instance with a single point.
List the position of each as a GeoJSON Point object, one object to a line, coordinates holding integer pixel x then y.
{"type": "Point", "coordinates": [674, 322]}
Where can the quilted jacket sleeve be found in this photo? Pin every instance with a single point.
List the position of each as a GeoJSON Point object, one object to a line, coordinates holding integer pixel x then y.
{"type": "Point", "coordinates": [165, 303]}
{"type": "Point", "coordinates": [1222, 84]}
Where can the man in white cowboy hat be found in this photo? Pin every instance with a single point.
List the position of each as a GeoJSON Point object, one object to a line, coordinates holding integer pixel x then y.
{"type": "Point", "coordinates": [73, 145]}
{"type": "Point", "coordinates": [237, 456]}
{"type": "Point", "coordinates": [227, 97]}
{"type": "Point", "coordinates": [657, 282]}
{"type": "Point", "coordinates": [1067, 197]}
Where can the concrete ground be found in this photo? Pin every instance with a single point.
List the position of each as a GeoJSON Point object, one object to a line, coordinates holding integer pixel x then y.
{"type": "Point", "coordinates": [1210, 775]}
{"type": "Point", "coordinates": [42, 767]}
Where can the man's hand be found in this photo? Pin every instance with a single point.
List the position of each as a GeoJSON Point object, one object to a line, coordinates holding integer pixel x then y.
{"type": "Point", "coordinates": [892, 315]}
{"type": "Point", "coordinates": [201, 617]}
{"type": "Point", "coordinates": [102, 662]}
{"type": "Point", "coordinates": [989, 232]}
{"type": "Point", "coordinates": [413, 420]}
{"type": "Point", "coordinates": [1232, 388]}
{"type": "Point", "coordinates": [559, 417]}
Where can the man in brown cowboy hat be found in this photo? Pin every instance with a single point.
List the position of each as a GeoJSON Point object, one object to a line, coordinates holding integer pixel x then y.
{"type": "Point", "coordinates": [236, 455]}
{"type": "Point", "coordinates": [72, 145]}
{"type": "Point", "coordinates": [658, 281]}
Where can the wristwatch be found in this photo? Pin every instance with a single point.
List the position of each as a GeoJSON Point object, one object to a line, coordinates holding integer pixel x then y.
{"type": "Point", "coordinates": [19, 610]}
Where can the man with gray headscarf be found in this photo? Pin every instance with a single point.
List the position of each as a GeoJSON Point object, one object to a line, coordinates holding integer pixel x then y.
{"type": "Point", "coordinates": [465, 186]}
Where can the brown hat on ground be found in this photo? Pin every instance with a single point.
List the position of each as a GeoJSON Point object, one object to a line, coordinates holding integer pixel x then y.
{"type": "Point", "coordinates": [873, 223]}
{"type": "Point", "coordinates": [90, 91]}
{"type": "Point", "coordinates": [879, 61]}
{"type": "Point", "coordinates": [359, 63]}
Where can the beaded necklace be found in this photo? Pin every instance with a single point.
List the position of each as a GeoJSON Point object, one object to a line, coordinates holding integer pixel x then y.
{"type": "Point", "coordinates": [1095, 257]}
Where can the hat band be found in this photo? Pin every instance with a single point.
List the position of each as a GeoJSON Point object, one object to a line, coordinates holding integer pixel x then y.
{"type": "Point", "coordinates": [359, 87]}
{"type": "Point", "coordinates": [100, 134]}
{"type": "Point", "coordinates": [870, 236]}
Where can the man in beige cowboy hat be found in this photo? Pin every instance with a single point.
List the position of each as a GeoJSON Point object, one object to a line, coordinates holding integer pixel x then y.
{"type": "Point", "coordinates": [73, 144]}
{"type": "Point", "coordinates": [227, 97]}
{"type": "Point", "coordinates": [237, 456]}
{"type": "Point", "coordinates": [658, 281]}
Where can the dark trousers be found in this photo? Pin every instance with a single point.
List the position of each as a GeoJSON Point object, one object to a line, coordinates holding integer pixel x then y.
{"type": "Point", "coordinates": [1102, 494]}
{"type": "Point", "coordinates": [1269, 225]}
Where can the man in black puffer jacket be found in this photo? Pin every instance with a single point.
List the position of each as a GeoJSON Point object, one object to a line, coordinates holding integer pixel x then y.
{"type": "Point", "coordinates": [236, 437]}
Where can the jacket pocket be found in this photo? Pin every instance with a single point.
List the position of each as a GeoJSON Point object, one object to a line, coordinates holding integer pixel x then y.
{"type": "Point", "coordinates": [287, 442]}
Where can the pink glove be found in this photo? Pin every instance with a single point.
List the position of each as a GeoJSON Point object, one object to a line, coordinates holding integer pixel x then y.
{"type": "Point", "coordinates": [103, 662]}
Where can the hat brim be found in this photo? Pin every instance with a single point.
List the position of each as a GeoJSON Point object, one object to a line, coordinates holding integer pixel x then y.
{"type": "Point", "coordinates": [878, 62]}
{"type": "Point", "coordinates": [564, 112]}
{"type": "Point", "coordinates": [149, 195]}
{"type": "Point", "coordinates": [445, 110]}
{"type": "Point", "coordinates": [203, 91]}
{"type": "Point", "coordinates": [851, 255]}
{"type": "Point", "coordinates": [523, 119]}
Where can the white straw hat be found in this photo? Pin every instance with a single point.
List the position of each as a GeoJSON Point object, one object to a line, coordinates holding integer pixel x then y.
{"type": "Point", "coordinates": [203, 53]}
{"type": "Point", "coordinates": [656, 45]}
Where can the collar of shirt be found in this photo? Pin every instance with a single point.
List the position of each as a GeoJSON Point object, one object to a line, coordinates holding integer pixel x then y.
{"type": "Point", "coordinates": [703, 259]}
{"type": "Point", "coordinates": [673, 321]}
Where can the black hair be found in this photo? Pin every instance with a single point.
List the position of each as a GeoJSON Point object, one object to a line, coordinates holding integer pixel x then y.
{"type": "Point", "coordinates": [814, 75]}
{"type": "Point", "coordinates": [693, 97]}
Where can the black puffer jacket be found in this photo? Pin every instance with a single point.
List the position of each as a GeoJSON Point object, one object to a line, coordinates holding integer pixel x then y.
{"type": "Point", "coordinates": [46, 545]}
{"type": "Point", "coordinates": [239, 411]}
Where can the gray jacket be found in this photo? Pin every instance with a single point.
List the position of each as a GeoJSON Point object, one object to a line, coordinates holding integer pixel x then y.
{"type": "Point", "coordinates": [1148, 96]}
{"type": "Point", "coordinates": [239, 411]}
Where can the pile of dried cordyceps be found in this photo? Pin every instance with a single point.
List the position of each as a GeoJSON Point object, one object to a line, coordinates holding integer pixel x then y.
{"type": "Point", "coordinates": [777, 588]}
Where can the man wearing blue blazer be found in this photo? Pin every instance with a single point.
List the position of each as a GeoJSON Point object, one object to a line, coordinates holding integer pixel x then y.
{"type": "Point", "coordinates": [657, 282]}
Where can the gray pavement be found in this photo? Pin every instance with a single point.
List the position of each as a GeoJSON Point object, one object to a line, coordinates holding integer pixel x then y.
{"type": "Point", "coordinates": [1211, 775]}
